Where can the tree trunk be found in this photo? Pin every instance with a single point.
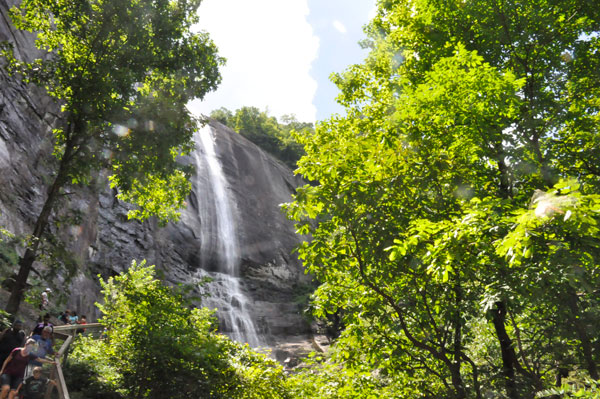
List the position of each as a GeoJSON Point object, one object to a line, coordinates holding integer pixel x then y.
{"type": "Point", "coordinates": [457, 380]}
{"type": "Point", "coordinates": [586, 344]}
{"type": "Point", "coordinates": [26, 261]}
{"type": "Point", "coordinates": [18, 286]}
{"type": "Point", "coordinates": [475, 373]}
{"type": "Point", "coordinates": [509, 358]}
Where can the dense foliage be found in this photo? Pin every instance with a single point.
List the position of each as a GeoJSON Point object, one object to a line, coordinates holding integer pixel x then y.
{"type": "Point", "coordinates": [123, 72]}
{"type": "Point", "coordinates": [267, 132]}
{"type": "Point", "coordinates": [455, 223]}
{"type": "Point", "coordinates": [157, 346]}
{"type": "Point", "coordinates": [454, 216]}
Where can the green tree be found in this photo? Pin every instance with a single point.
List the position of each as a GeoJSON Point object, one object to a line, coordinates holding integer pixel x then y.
{"type": "Point", "coordinates": [222, 115]}
{"type": "Point", "coordinates": [267, 132]}
{"type": "Point", "coordinates": [461, 111]}
{"type": "Point", "coordinates": [156, 345]}
{"type": "Point", "coordinates": [159, 348]}
{"type": "Point", "coordinates": [123, 73]}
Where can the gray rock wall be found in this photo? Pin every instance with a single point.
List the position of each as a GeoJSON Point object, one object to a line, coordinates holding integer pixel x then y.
{"type": "Point", "coordinates": [271, 273]}
{"type": "Point", "coordinates": [105, 242]}
{"type": "Point", "coordinates": [26, 118]}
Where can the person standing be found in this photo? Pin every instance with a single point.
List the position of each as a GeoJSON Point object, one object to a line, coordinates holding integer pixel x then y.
{"type": "Point", "coordinates": [13, 368]}
{"type": "Point", "coordinates": [10, 339]}
{"type": "Point", "coordinates": [34, 387]}
{"type": "Point", "coordinates": [64, 316]}
{"type": "Point", "coordinates": [44, 346]}
{"type": "Point", "coordinates": [82, 320]}
{"type": "Point", "coordinates": [44, 303]}
{"type": "Point", "coordinates": [73, 319]}
{"type": "Point", "coordinates": [37, 330]}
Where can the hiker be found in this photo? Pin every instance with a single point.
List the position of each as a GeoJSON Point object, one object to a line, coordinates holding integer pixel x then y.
{"type": "Point", "coordinates": [73, 319]}
{"type": "Point", "coordinates": [34, 387]}
{"type": "Point", "coordinates": [13, 368]}
{"type": "Point", "coordinates": [82, 320]}
{"type": "Point", "coordinates": [44, 345]}
{"type": "Point", "coordinates": [10, 339]}
{"type": "Point", "coordinates": [37, 330]}
{"type": "Point", "coordinates": [64, 316]}
{"type": "Point", "coordinates": [44, 302]}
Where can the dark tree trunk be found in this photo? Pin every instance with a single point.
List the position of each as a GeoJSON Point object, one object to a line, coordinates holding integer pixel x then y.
{"type": "Point", "coordinates": [476, 385]}
{"type": "Point", "coordinates": [457, 380]}
{"type": "Point", "coordinates": [586, 345]}
{"type": "Point", "coordinates": [18, 286]}
{"type": "Point", "coordinates": [30, 255]}
{"type": "Point", "coordinates": [509, 358]}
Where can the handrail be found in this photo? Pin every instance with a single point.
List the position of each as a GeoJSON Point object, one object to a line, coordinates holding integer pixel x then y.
{"type": "Point", "coordinates": [65, 346]}
{"type": "Point", "coordinates": [68, 331]}
{"type": "Point", "coordinates": [63, 392]}
{"type": "Point", "coordinates": [69, 327]}
{"type": "Point", "coordinates": [65, 329]}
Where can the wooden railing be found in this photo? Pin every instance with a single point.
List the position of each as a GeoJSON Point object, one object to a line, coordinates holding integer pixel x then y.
{"type": "Point", "coordinates": [67, 332]}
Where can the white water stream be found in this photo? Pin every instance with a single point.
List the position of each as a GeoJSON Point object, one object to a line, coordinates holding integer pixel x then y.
{"type": "Point", "coordinates": [220, 245]}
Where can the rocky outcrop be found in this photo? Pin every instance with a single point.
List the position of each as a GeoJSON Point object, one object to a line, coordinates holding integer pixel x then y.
{"type": "Point", "coordinates": [26, 119]}
{"type": "Point", "coordinates": [271, 274]}
{"type": "Point", "coordinates": [104, 242]}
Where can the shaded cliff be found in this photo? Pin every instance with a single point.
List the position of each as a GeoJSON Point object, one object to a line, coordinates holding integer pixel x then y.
{"type": "Point", "coordinates": [102, 241]}
{"type": "Point", "coordinates": [270, 274]}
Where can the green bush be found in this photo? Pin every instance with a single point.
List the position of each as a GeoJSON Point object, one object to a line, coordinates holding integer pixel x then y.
{"type": "Point", "coordinates": [84, 375]}
{"type": "Point", "coordinates": [589, 389]}
{"type": "Point", "coordinates": [4, 320]}
{"type": "Point", "coordinates": [155, 347]}
{"type": "Point", "coordinates": [158, 347]}
{"type": "Point", "coordinates": [260, 377]}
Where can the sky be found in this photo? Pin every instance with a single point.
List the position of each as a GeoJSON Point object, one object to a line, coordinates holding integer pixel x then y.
{"type": "Point", "coordinates": [280, 53]}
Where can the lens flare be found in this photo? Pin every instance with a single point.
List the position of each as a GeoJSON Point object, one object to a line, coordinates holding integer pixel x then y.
{"type": "Point", "coordinates": [121, 131]}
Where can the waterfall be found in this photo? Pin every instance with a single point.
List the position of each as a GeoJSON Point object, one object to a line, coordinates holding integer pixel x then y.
{"type": "Point", "coordinates": [220, 255]}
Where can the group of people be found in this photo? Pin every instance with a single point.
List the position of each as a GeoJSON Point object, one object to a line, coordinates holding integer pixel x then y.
{"type": "Point", "coordinates": [18, 354]}
{"type": "Point", "coordinates": [70, 317]}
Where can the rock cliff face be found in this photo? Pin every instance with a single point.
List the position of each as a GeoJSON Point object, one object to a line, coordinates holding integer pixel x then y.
{"type": "Point", "coordinates": [270, 275]}
{"type": "Point", "coordinates": [104, 242]}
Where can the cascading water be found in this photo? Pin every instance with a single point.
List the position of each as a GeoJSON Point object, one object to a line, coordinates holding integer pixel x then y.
{"type": "Point", "coordinates": [220, 250]}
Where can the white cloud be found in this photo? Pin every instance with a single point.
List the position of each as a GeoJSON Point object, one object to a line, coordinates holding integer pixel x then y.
{"type": "Point", "coordinates": [339, 26]}
{"type": "Point", "coordinates": [269, 47]}
{"type": "Point", "coordinates": [372, 13]}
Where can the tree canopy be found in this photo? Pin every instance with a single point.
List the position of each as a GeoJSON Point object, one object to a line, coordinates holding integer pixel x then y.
{"type": "Point", "coordinates": [123, 72]}
{"type": "Point", "coordinates": [455, 218]}
{"type": "Point", "coordinates": [267, 132]}
{"type": "Point", "coordinates": [157, 345]}
{"type": "Point", "coordinates": [454, 212]}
